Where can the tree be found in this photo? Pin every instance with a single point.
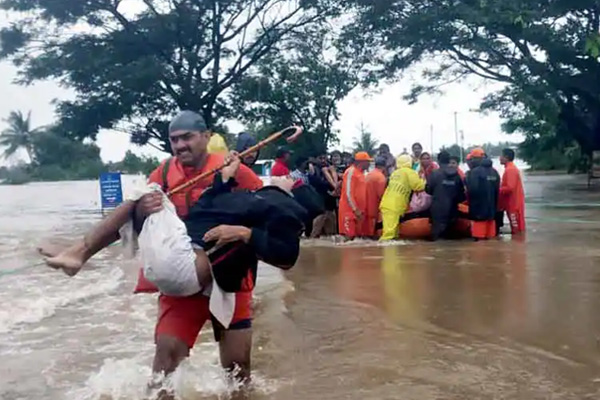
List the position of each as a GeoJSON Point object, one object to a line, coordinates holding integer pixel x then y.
{"type": "Point", "coordinates": [365, 141]}
{"type": "Point", "coordinates": [19, 134]}
{"type": "Point", "coordinates": [58, 157]}
{"type": "Point", "coordinates": [301, 85]}
{"type": "Point", "coordinates": [133, 64]}
{"type": "Point", "coordinates": [132, 164]}
{"type": "Point", "coordinates": [544, 52]}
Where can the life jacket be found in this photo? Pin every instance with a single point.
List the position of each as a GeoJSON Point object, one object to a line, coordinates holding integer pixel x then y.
{"type": "Point", "coordinates": [173, 174]}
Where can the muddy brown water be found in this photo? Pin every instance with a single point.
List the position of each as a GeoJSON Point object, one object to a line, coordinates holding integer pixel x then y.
{"type": "Point", "coordinates": [504, 319]}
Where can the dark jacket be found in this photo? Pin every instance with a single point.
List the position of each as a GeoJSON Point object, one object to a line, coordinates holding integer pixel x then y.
{"type": "Point", "coordinates": [322, 186]}
{"type": "Point", "coordinates": [448, 191]}
{"type": "Point", "coordinates": [275, 217]}
{"type": "Point", "coordinates": [483, 186]}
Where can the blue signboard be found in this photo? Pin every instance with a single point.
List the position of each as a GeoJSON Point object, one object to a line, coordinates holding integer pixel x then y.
{"type": "Point", "coordinates": [111, 192]}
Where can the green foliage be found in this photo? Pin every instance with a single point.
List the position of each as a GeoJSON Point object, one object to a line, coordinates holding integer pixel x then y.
{"type": "Point", "coordinates": [58, 157]}
{"type": "Point", "coordinates": [131, 72]}
{"type": "Point", "coordinates": [133, 164]}
{"type": "Point", "coordinates": [18, 135]}
{"type": "Point", "coordinates": [365, 141]}
{"type": "Point", "coordinates": [491, 149]}
{"type": "Point", "coordinates": [301, 85]}
{"type": "Point", "coordinates": [14, 176]}
{"type": "Point", "coordinates": [544, 52]}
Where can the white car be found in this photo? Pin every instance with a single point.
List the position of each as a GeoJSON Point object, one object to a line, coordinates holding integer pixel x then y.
{"type": "Point", "coordinates": [262, 168]}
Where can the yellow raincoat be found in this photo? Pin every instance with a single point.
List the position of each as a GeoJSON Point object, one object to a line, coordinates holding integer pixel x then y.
{"type": "Point", "coordinates": [217, 144]}
{"type": "Point", "coordinates": [396, 198]}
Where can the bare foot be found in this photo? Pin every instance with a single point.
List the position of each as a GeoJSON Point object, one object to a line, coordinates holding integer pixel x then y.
{"type": "Point", "coordinates": [50, 249]}
{"type": "Point", "coordinates": [69, 264]}
{"type": "Point", "coordinates": [70, 260]}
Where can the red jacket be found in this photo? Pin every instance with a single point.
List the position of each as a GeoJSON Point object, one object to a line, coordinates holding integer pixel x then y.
{"type": "Point", "coordinates": [280, 168]}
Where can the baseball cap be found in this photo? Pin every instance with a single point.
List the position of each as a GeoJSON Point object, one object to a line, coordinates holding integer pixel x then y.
{"type": "Point", "coordinates": [477, 152]}
{"type": "Point", "coordinates": [188, 121]}
{"type": "Point", "coordinates": [362, 156]}
{"type": "Point", "coordinates": [282, 151]}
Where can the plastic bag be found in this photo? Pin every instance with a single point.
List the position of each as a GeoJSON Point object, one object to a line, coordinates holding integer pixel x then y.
{"type": "Point", "coordinates": [167, 253]}
{"type": "Point", "coordinates": [420, 202]}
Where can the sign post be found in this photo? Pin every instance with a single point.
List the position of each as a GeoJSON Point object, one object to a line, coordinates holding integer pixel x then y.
{"type": "Point", "coordinates": [111, 192]}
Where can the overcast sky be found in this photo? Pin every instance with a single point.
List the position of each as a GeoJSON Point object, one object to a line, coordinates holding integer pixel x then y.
{"type": "Point", "coordinates": [384, 113]}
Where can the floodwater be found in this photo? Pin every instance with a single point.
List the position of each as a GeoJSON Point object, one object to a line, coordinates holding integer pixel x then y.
{"type": "Point", "coordinates": [505, 319]}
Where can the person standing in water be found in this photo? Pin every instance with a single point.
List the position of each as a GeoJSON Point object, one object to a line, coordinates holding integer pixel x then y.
{"type": "Point", "coordinates": [417, 150]}
{"type": "Point", "coordinates": [512, 195]}
{"type": "Point", "coordinates": [353, 201]}
{"type": "Point", "coordinates": [244, 141]}
{"type": "Point", "coordinates": [483, 186]}
{"type": "Point", "coordinates": [180, 319]}
{"type": "Point", "coordinates": [427, 166]}
{"type": "Point", "coordinates": [376, 183]}
{"type": "Point", "coordinates": [390, 161]}
{"type": "Point", "coordinates": [394, 203]}
{"type": "Point", "coordinates": [281, 166]}
{"type": "Point", "coordinates": [447, 189]}
{"type": "Point", "coordinates": [455, 163]}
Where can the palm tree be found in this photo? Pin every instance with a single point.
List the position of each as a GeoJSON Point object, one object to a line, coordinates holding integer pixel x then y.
{"type": "Point", "coordinates": [365, 141]}
{"type": "Point", "coordinates": [18, 135]}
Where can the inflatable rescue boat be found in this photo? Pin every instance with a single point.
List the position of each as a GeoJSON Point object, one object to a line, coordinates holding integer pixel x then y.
{"type": "Point", "coordinates": [418, 226]}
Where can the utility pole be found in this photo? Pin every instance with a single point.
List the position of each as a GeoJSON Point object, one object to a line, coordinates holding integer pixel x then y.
{"type": "Point", "coordinates": [431, 137]}
{"type": "Point", "coordinates": [462, 145]}
{"type": "Point", "coordinates": [456, 128]}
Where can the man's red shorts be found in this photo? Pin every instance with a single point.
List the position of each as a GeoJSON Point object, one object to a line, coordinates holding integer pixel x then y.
{"type": "Point", "coordinates": [184, 317]}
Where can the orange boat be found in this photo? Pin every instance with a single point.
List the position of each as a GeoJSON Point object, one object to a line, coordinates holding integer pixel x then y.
{"type": "Point", "coordinates": [417, 225]}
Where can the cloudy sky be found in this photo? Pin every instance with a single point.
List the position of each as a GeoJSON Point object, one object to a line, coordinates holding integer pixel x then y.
{"type": "Point", "coordinates": [384, 113]}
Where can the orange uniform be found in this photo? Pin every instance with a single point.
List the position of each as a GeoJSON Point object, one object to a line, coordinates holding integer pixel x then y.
{"type": "Point", "coordinates": [375, 183]}
{"type": "Point", "coordinates": [512, 198]}
{"type": "Point", "coordinates": [183, 317]}
{"type": "Point", "coordinates": [354, 197]}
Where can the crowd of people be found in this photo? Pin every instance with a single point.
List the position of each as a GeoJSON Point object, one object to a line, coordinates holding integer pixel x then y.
{"type": "Point", "coordinates": [367, 197]}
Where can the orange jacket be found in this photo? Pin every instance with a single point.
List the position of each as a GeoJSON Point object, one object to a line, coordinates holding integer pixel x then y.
{"type": "Point", "coordinates": [375, 183]}
{"type": "Point", "coordinates": [176, 174]}
{"type": "Point", "coordinates": [512, 195]}
{"type": "Point", "coordinates": [354, 191]}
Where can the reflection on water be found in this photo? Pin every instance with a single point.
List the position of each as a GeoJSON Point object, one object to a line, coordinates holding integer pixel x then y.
{"type": "Point", "coordinates": [504, 319]}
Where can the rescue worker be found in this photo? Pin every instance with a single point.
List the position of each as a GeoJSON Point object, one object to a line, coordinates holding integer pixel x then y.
{"type": "Point", "coordinates": [353, 200]}
{"type": "Point", "coordinates": [483, 186]}
{"type": "Point", "coordinates": [394, 203]}
{"type": "Point", "coordinates": [512, 195]}
{"type": "Point", "coordinates": [282, 162]}
{"type": "Point", "coordinates": [376, 183]}
{"type": "Point", "coordinates": [447, 189]}
{"type": "Point", "coordinates": [180, 319]}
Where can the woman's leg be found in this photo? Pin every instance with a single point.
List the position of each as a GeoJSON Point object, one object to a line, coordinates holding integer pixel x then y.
{"type": "Point", "coordinates": [102, 235]}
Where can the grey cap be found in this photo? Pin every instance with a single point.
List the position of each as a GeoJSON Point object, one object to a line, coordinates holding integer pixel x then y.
{"type": "Point", "coordinates": [188, 121]}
